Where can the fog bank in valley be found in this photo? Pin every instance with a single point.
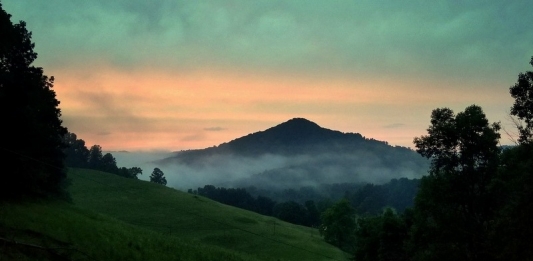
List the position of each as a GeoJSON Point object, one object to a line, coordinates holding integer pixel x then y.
{"type": "Point", "coordinates": [271, 171]}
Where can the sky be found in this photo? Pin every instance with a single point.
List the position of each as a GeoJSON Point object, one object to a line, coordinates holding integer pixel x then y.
{"type": "Point", "coordinates": [172, 75]}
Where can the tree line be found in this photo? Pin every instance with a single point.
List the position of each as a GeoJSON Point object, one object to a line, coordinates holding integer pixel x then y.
{"type": "Point", "coordinates": [77, 155]}
{"type": "Point", "coordinates": [304, 206]}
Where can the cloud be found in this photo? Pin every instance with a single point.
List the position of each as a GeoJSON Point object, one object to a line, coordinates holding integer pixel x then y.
{"type": "Point", "coordinates": [363, 37]}
{"type": "Point", "coordinates": [394, 125]}
{"type": "Point", "coordinates": [195, 137]}
{"type": "Point", "coordinates": [214, 129]}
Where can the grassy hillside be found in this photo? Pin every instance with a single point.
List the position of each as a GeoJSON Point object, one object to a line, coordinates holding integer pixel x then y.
{"type": "Point", "coordinates": [62, 231]}
{"type": "Point", "coordinates": [178, 215]}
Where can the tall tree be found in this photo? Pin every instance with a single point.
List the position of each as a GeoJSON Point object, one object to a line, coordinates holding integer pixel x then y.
{"type": "Point", "coordinates": [158, 177]}
{"type": "Point", "coordinates": [454, 204]}
{"type": "Point", "coordinates": [522, 92]}
{"type": "Point", "coordinates": [95, 157]}
{"type": "Point", "coordinates": [31, 143]}
{"type": "Point", "coordinates": [514, 184]}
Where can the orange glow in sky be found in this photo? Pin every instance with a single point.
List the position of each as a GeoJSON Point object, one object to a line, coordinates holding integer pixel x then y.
{"type": "Point", "coordinates": [147, 109]}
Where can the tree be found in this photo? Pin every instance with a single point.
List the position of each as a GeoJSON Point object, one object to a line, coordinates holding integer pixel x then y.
{"type": "Point", "coordinates": [109, 164]}
{"type": "Point", "coordinates": [381, 237]}
{"type": "Point", "coordinates": [76, 153]}
{"type": "Point", "coordinates": [130, 173]}
{"type": "Point", "coordinates": [133, 172]}
{"type": "Point", "coordinates": [95, 157]}
{"type": "Point", "coordinates": [31, 143]}
{"type": "Point", "coordinates": [512, 227]}
{"type": "Point", "coordinates": [158, 177]}
{"type": "Point", "coordinates": [291, 212]}
{"type": "Point", "coordinates": [454, 204]}
{"type": "Point", "coordinates": [313, 216]}
{"type": "Point", "coordinates": [338, 225]}
{"type": "Point", "coordinates": [522, 92]}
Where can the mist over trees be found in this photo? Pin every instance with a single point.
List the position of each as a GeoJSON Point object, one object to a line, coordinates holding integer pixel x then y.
{"type": "Point", "coordinates": [31, 142]}
{"type": "Point", "coordinates": [304, 206]}
{"type": "Point", "coordinates": [294, 154]}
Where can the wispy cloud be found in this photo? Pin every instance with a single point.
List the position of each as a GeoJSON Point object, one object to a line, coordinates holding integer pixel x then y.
{"type": "Point", "coordinates": [394, 125]}
{"type": "Point", "coordinates": [214, 129]}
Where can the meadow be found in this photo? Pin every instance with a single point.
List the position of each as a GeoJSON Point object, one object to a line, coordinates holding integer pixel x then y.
{"type": "Point", "coordinates": [114, 218]}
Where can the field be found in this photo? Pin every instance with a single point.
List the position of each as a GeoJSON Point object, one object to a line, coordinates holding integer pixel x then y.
{"type": "Point", "coordinates": [113, 218]}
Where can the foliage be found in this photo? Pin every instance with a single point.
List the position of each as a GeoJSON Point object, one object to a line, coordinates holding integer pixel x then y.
{"type": "Point", "coordinates": [291, 212]}
{"type": "Point", "coordinates": [158, 177]}
{"type": "Point", "coordinates": [522, 92]}
{"type": "Point", "coordinates": [31, 143]}
{"type": "Point", "coordinates": [108, 163]}
{"type": "Point", "coordinates": [75, 151]}
{"type": "Point", "coordinates": [366, 198]}
{"type": "Point", "coordinates": [131, 173]}
{"type": "Point", "coordinates": [338, 225]}
{"type": "Point", "coordinates": [78, 156]}
{"type": "Point", "coordinates": [398, 194]}
{"type": "Point", "coordinates": [512, 230]}
{"type": "Point", "coordinates": [454, 204]}
{"type": "Point", "coordinates": [95, 157]}
{"type": "Point", "coordinates": [382, 237]}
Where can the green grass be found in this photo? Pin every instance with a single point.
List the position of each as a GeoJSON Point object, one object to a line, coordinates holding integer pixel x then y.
{"type": "Point", "coordinates": [62, 231]}
{"type": "Point", "coordinates": [113, 218]}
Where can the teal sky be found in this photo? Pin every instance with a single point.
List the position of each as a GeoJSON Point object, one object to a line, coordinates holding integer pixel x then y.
{"type": "Point", "coordinates": [228, 68]}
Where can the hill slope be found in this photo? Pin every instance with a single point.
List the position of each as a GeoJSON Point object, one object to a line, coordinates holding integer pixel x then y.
{"type": "Point", "coordinates": [297, 153]}
{"type": "Point", "coordinates": [196, 219]}
{"type": "Point", "coordinates": [61, 231]}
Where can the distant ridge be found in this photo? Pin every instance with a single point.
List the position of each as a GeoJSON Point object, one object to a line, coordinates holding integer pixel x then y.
{"type": "Point", "coordinates": [295, 136]}
{"type": "Point", "coordinates": [293, 154]}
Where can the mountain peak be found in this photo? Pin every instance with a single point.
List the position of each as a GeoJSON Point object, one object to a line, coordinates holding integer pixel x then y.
{"type": "Point", "coordinates": [298, 123]}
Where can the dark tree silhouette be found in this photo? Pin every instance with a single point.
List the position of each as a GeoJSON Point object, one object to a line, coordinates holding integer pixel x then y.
{"type": "Point", "coordinates": [109, 164]}
{"type": "Point", "coordinates": [158, 177]}
{"type": "Point", "coordinates": [95, 157]}
{"type": "Point", "coordinates": [76, 152]}
{"type": "Point", "coordinates": [455, 205]}
{"type": "Point", "coordinates": [131, 173]}
{"type": "Point", "coordinates": [522, 92]}
{"type": "Point", "coordinates": [31, 142]}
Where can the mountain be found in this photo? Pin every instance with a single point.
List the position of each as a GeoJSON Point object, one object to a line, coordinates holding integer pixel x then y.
{"type": "Point", "coordinates": [298, 152]}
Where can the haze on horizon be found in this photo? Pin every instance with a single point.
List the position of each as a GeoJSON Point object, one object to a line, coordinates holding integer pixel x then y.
{"type": "Point", "coordinates": [133, 75]}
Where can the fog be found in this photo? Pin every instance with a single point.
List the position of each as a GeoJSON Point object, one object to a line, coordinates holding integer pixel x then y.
{"type": "Point", "coordinates": [270, 171]}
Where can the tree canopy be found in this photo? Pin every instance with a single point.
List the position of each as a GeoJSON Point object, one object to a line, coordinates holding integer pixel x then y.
{"type": "Point", "coordinates": [522, 108]}
{"type": "Point", "coordinates": [31, 142]}
{"type": "Point", "coordinates": [158, 177]}
{"type": "Point", "coordinates": [453, 205]}
{"type": "Point", "coordinates": [338, 225]}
